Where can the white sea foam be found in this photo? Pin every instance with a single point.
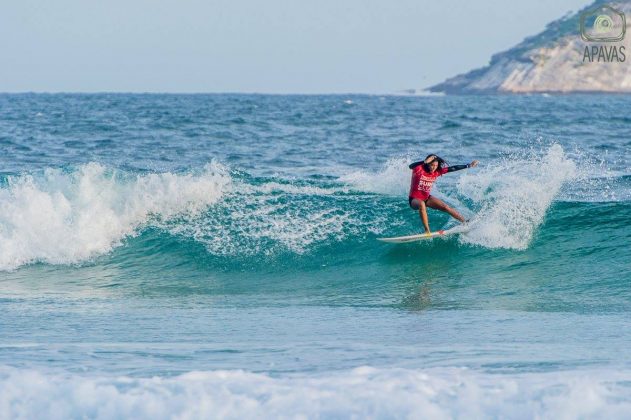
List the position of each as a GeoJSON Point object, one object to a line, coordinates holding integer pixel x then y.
{"type": "Point", "coordinates": [596, 181]}
{"type": "Point", "coordinates": [65, 217]}
{"type": "Point", "coordinates": [261, 218]}
{"type": "Point", "coordinates": [61, 217]}
{"type": "Point", "coordinates": [392, 179]}
{"type": "Point", "coordinates": [360, 393]}
{"type": "Point", "coordinates": [277, 187]}
{"type": "Point", "coordinates": [513, 195]}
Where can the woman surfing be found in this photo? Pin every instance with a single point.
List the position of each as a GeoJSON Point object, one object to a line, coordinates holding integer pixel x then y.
{"type": "Point", "coordinates": [424, 173]}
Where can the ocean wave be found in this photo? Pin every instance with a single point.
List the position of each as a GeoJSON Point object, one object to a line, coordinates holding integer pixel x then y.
{"type": "Point", "coordinates": [74, 215]}
{"type": "Point", "coordinates": [513, 195]}
{"type": "Point", "coordinates": [263, 217]}
{"type": "Point", "coordinates": [506, 199]}
{"type": "Point", "coordinates": [67, 217]}
{"type": "Point", "coordinates": [363, 392]}
{"type": "Point", "coordinates": [393, 178]}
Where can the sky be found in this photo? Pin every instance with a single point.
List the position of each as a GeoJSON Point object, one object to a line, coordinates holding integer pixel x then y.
{"type": "Point", "coordinates": [274, 46]}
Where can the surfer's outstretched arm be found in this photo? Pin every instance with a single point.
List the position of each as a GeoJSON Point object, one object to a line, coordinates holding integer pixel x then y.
{"type": "Point", "coordinates": [459, 167]}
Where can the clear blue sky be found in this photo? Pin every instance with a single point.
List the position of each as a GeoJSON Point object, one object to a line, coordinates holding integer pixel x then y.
{"type": "Point", "coordinates": [274, 46]}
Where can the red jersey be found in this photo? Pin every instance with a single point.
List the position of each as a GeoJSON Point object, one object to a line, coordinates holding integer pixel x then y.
{"type": "Point", "coordinates": [422, 181]}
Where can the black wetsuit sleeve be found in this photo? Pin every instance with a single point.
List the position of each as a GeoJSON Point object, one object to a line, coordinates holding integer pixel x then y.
{"type": "Point", "coordinates": [415, 164]}
{"type": "Point", "coordinates": [457, 167]}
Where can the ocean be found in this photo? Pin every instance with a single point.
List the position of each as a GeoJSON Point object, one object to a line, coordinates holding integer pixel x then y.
{"type": "Point", "coordinates": [215, 255]}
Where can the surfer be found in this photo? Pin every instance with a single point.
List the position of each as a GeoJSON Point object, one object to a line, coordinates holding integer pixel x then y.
{"type": "Point", "coordinates": [424, 173]}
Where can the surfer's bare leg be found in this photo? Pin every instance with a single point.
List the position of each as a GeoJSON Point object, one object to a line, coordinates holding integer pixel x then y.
{"type": "Point", "coordinates": [438, 204]}
{"type": "Point", "coordinates": [422, 211]}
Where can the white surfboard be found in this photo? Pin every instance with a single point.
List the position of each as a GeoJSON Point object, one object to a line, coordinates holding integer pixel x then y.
{"type": "Point", "coordinates": [423, 236]}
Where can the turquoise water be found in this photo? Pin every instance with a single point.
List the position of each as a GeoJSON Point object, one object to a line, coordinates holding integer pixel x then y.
{"type": "Point", "coordinates": [216, 255]}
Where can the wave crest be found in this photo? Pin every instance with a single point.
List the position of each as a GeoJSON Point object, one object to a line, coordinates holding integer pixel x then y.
{"type": "Point", "coordinates": [513, 195]}
{"type": "Point", "coordinates": [68, 217]}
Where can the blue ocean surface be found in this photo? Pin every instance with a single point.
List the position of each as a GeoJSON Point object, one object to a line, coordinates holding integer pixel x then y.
{"type": "Point", "coordinates": [187, 256]}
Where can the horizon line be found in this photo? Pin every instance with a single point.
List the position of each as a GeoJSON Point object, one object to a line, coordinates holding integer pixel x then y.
{"type": "Point", "coordinates": [403, 92]}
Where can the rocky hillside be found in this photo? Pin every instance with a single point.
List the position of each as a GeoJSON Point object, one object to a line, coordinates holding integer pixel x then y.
{"type": "Point", "coordinates": [553, 61]}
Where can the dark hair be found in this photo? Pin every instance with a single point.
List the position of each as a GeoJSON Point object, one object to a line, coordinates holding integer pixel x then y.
{"type": "Point", "coordinates": [441, 162]}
